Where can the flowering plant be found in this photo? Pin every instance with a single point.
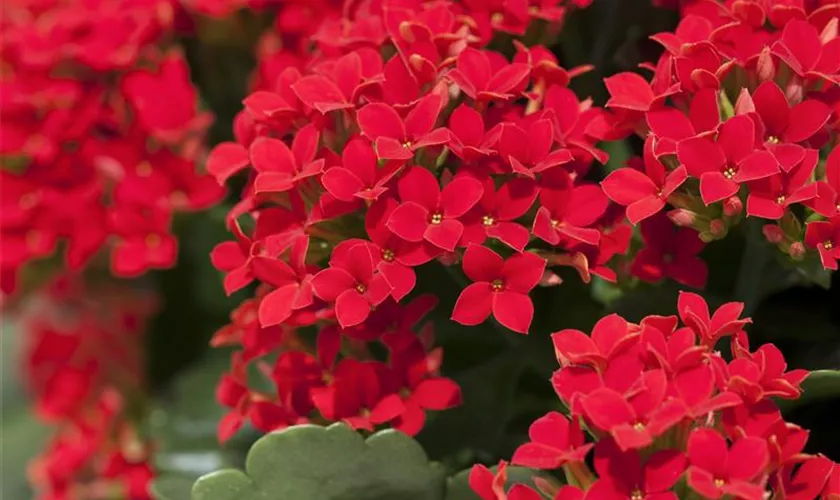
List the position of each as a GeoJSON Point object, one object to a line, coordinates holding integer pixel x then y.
{"type": "Point", "coordinates": [406, 178]}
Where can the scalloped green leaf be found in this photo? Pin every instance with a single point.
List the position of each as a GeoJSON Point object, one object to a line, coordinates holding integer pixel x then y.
{"type": "Point", "coordinates": [309, 462]}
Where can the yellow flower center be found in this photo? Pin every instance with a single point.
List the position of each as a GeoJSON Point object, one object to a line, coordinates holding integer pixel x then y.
{"type": "Point", "coordinates": [729, 173]}
{"type": "Point", "coordinates": [637, 495]}
{"type": "Point", "coordinates": [437, 218]}
{"type": "Point", "coordinates": [387, 255]}
{"type": "Point", "coordinates": [488, 220]}
{"type": "Point", "coordinates": [361, 288]}
{"type": "Point", "coordinates": [639, 426]}
{"type": "Point", "coordinates": [719, 483]}
{"type": "Point", "coordinates": [828, 244]}
{"type": "Point", "coordinates": [497, 285]}
{"type": "Point", "coordinates": [144, 169]}
{"type": "Point", "coordinates": [152, 240]}
{"type": "Point", "coordinates": [772, 140]}
{"type": "Point", "coordinates": [781, 199]}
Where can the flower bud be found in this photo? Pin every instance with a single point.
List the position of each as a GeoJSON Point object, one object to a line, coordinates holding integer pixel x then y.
{"type": "Point", "coordinates": [773, 233]}
{"type": "Point", "coordinates": [764, 67]}
{"type": "Point", "coordinates": [794, 91]}
{"type": "Point", "coordinates": [733, 206]}
{"type": "Point", "coordinates": [797, 250]}
{"type": "Point", "coordinates": [682, 217]}
{"type": "Point", "coordinates": [717, 228]}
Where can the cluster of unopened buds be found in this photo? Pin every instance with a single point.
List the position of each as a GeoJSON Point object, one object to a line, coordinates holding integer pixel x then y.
{"type": "Point", "coordinates": [84, 365]}
{"type": "Point", "coordinates": [669, 416]}
{"type": "Point", "coordinates": [101, 131]}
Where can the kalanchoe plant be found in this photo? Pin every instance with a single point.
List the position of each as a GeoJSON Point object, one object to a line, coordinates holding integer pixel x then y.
{"type": "Point", "coordinates": [412, 176]}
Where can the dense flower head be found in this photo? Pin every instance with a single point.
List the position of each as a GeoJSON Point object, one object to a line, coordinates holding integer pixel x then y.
{"type": "Point", "coordinates": [739, 113]}
{"type": "Point", "coordinates": [101, 130]}
{"type": "Point", "coordinates": [82, 362]}
{"type": "Point", "coordinates": [397, 139]}
{"type": "Point", "coordinates": [668, 415]}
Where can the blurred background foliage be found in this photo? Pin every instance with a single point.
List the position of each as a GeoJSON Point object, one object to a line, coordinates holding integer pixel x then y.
{"type": "Point", "coordinates": [504, 377]}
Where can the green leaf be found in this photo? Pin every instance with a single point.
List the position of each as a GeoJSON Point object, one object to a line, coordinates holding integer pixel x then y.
{"type": "Point", "coordinates": [308, 462]}
{"type": "Point", "coordinates": [458, 487]}
{"type": "Point", "coordinates": [171, 487]}
{"type": "Point", "coordinates": [820, 385]}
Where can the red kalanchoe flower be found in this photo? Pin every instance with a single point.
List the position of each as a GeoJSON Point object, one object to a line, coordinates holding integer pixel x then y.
{"type": "Point", "coordinates": [352, 75]}
{"type": "Point", "coordinates": [494, 214]}
{"type": "Point", "coordinates": [825, 237]}
{"type": "Point", "coordinates": [782, 122]}
{"type": "Point", "coordinates": [694, 312]}
{"type": "Point", "coordinates": [624, 475]}
{"type": "Point", "coordinates": [809, 56]}
{"type": "Point", "coordinates": [429, 213]}
{"type": "Point", "coordinates": [670, 252]}
{"type": "Point", "coordinates": [396, 138]}
{"type": "Point", "coordinates": [501, 287]}
{"type": "Point", "coordinates": [353, 284]}
{"type": "Point", "coordinates": [644, 193]}
{"type": "Point", "coordinates": [771, 196]}
{"type": "Point", "coordinates": [567, 210]}
{"type": "Point", "coordinates": [359, 176]}
{"type": "Point", "coordinates": [145, 242]}
{"type": "Point", "coordinates": [827, 202]}
{"type": "Point", "coordinates": [280, 168]}
{"type": "Point", "coordinates": [634, 421]}
{"type": "Point", "coordinates": [554, 441]}
{"type": "Point", "coordinates": [724, 164]}
{"type": "Point", "coordinates": [718, 470]}
{"type": "Point", "coordinates": [529, 152]}
{"type": "Point", "coordinates": [468, 139]}
{"type": "Point", "coordinates": [477, 78]}
{"type": "Point", "coordinates": [611, 336]}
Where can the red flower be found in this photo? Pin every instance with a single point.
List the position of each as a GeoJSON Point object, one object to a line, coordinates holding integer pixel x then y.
{"type": "Point", "coordinates": [227, 159]}
{"type": "Point", "coordinates": [723, 165]}
{"type": "Point", "coordinates": [825, 237]}
{"type": "Point", "coordinates": [695, 386]}
{"type": "Point", "coordinates": [359, 176]}
{"type": "Point", "coordinates": [694, 312]}
{"type": "Point", "coordinates": [293, 290]}
{"type": "Point", "coordinates": [717, 470]}
{"type": "Point", "coordinates": [398, 139]}
{"type": "Point", "coordinates": [783, 123]}
{"type": "Point", "coordinates": [352, 284]}
{"type": "Point", "coordinates": [827, 202]}
{"type": "Point", "coordinates": [635, 420]}
{"type": "Point", "coordinates": [280, 168]}
{"type": "Point", "coordinates": [643, 193]}
{"type": "Point", "coordinates": [501, 287]}
{"type": "Point", "coordinates": [475, 76]}
{"type": "Point", "coordinates": [554, 442]}
{"type": "Point", "coordinates": [670, 125]}
{"type": "Point", "coordinates": [670, 252]}
{"type": "Point", "coordinates": [357, 396]}
{"type": "Point", "coordinates": [567, 210]}
{"type": "Point", "coordinates": [529, 152]}
{"type": "Point", "coordinates": [807, 55]}
{"type": "Point", "coordinates": [611, 336]}
{"type": "Point", "coordinates": [468, 139]}
{"type": "Point", "coordinates": [808, 481]}
{"type": "Point", "coordinates": [351, 76]}
{"type": "Point", "coordinates": [398, 255]}
{"type": "Point", "coordinates": [771, 196]}
{"type": "Point", "coordinates": [429, 213]}
{"type": "Point", "coordinates": [625, 476]}
{"type": "Point", "coordinates": [145, 242]}
{"type": "Point", "coordinates": [494, 214]}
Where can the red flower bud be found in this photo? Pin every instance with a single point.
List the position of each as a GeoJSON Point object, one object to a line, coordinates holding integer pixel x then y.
{"type": "Point", "coordinates": [733, 206]}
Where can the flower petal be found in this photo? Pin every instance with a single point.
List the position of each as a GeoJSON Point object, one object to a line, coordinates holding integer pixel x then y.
{"type": "Point", "coordinates": [513, 310]}
{"type": "Point", "coordinates": [473, 305]}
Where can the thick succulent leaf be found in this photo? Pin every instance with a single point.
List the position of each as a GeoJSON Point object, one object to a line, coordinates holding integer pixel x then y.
{"type": "Point", "coordinates": [171, 487]}
{"type": "Point", "coordinates": [334, 463]}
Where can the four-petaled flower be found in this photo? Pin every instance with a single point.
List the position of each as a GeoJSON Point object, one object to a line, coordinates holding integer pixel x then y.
{"type": "Point", "coordinates": [501, 287]}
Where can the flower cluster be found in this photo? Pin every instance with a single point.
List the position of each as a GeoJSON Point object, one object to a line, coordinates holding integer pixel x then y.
{"type": "Point", "coordinates": [83, 364]}
{"type": "Point", "coordinates": [399, 140]}
{"type": "Point", "coordinates": [101, 129]}
{"type": "Point", "coordinates": [738, 108]}
{"type": "Point", "coordinates": [668, 415]}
